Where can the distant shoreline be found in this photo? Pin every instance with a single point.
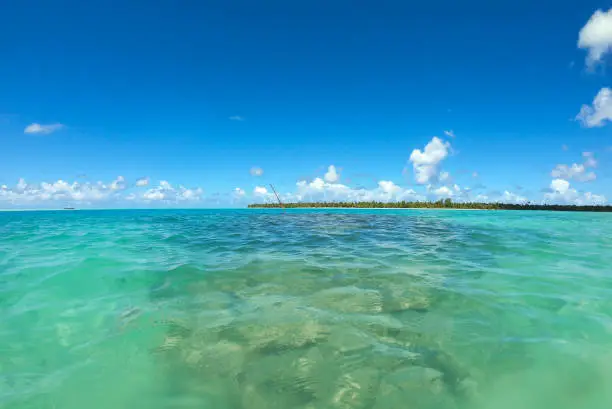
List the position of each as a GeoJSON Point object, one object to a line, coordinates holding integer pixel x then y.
{"type": "Point", "coordinates": [440, 205]}
{"type": "Point", "coordinates": [370, 208]}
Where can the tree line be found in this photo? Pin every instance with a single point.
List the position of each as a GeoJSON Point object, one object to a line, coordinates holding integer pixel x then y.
{"type": "Point", "coordinates": [440, 204]}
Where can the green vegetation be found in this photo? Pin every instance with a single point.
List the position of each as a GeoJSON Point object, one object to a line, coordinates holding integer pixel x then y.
{"type": "Point", "coordinates": [440, 204]}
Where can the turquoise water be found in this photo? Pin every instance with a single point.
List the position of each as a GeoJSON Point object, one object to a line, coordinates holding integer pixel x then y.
{"type": "Point", "coordinates": [254, 309]}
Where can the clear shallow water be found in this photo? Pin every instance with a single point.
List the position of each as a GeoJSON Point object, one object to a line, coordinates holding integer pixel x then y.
{"type": "Point", "coordinates": [309, 309]}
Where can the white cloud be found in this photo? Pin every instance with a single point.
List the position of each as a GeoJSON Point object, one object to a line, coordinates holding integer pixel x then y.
{"type": "Point", "coordinates": [443, 191]}
{"type": "Point", "coordinates": [44, 194]}
{"type": "Point", "coordinates": [118, 184]}
{"type": "Point", "coordinates": [42, 129]}
{"type": "Point", "coordinates": [563, 193]}
{"type": "Point", "coordinates": [165, 192]}
{"type": "Point", "coordinates": [256, 171]}
{"type": "Point", "coordinates": [320, 190]}
{"type": "Point", "coordinates": [450, 133]}
{"type": "Point", "coordinates": [238, 192]}
{"type": "Point", "coordinates": [143, 181]}
{"type": "Point", "coordinates": [444, 177]}
{"type": "Point", "coordinates": [593, 199]}
{"type": "Point", "coordinates": [332, 176]}
{"type": "Point", "coordinates": [589, 159]}
{"type": "Point", "coordinates": [154, 195]}
{"type": "Point", "coordinates": [577, 171]}
{"type": "Point", "coordinates": [426, 162]}
{"type": "Point", "coordinates": [21, 185]}
{"type": "Point", "coordinates": [600, 112]}
{"type": "Point", "coordinates": [560, 185]}
{"type": "Point", "coordinates": [450, 191]}
{"type": "Point", "coordinates": [236, 118]}
{"type": "Point", "coordinates": [260, 190]}
{"type": "Point", "coordinates": [509, 197]}
{"type": "Point", "coordinates": [596, 36]}
{"type": "Point", "coordinates": [36, 194]}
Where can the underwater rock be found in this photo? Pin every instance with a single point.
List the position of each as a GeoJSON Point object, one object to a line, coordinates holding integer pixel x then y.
{"type": "Point", "coordinates": [294, 374]}
{"type": "Point", "coordinates": [468, 389]}
{"type": "Point", "coordinates": [376, 325]}
{"type": "Point", "coordinates": [279, 325]}
{"type": "Point", "coordinates": [402, 297]}
{"type": "Point", "coordinates": [356, 389]}
{"type": "Point", "coordinates": [413, 386]}
{"type": "Point", "coordinates": [257, 397]}
{"type": "Point", "coordinates": [348, 340]}
{"type": "Point", "coordinates": [283, 334]}
{"type": "Point", "coordinates": [223, 358]}
{"type": "Point", "coordinates": [213, 300]}
{"type": "Point", "coordinates": [388, 357]}
{"type": "Point", "coordinates": [209, 324]}
{"type": "Point", "coordinates": [415, 378]}
{"type": "Point", "coordinates": [348, 300]}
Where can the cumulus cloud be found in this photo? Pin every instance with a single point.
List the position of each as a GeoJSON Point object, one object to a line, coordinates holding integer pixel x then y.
{"type": "Point", "coordinates": [577, 171]}
{"type": "Point", "coordinates": [596, 36]}
{"type": "Point", "coordinates": [320, 190]}
{"type": "Point", "coordinates": [118, 184]}
{"type": "Point", "coordinates": [36, 128]}
{"type": "Point", "coordinates": [510, 197]}
{"type": "Point", "coordinates": [143, 181]}
{"type": "Point", "coordinates": [600, 112]}
{"type": "Point", "coordinates": [236, 118]}
{"type": "Point", "coordinates": [426, 162]}
{"type": "Point", "coordinates": [36, 194]}
{"type": "Point", "coordinates": [560, 185]}
{"type": "Point", "coordinates": [165, 192]}
{"type": "Point", "coordinates": [256, 171]}
{"type": "Point", "coordinates": [561, 192]}
{"type": "Point", "coordinates": [332, 175]}
{"type": "Point", "coordinates": [450, 191]}
{"type": "Point", "coordinates": [260, 190]}
{"type": "Point", "coordinates": [21, 185]}
{"type": "Point", "coordinates": [443, 191]}
{"type": "Point", "coordinates": [445, 177]}
{"type": "Point", "coordinates": [61, 193]}
{"type": "Point", "coordinates": [238, 192]}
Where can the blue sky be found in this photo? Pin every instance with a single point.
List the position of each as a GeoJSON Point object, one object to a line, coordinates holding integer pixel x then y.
{"type": "Point", "coordinates": [189, 96]}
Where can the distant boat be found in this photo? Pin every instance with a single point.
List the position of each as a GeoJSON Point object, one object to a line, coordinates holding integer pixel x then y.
{"type": "Point", "coordinates": [69, 208]}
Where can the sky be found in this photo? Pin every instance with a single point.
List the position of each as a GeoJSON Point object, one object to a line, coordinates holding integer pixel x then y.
{"type": "Point", "coordinates": [206, 103]}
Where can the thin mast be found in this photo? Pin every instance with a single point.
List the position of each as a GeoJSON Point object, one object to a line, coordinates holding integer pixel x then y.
{"type": "Point", "coordinates": [277, 198]}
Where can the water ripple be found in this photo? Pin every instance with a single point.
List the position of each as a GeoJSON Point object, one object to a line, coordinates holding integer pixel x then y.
{"type": "Point", "coordinates": [304, 309]}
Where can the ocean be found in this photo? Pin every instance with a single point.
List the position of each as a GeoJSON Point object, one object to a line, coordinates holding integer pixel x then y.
{"type": "Point", "coordinates": [305, 309]}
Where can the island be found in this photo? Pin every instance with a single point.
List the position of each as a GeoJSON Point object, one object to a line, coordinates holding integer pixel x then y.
{"type": "Point", "coordinates": [440, 204]}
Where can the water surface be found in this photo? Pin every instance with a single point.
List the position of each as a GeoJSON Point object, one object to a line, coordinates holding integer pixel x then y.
{"type": "Point", "coordinates": [305, 309]}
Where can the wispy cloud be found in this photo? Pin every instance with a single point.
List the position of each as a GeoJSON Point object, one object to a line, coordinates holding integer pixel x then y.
{"type": "Point", "coordinates": [142, 181]}
{"type": "Point", "coordinates": [577, 171]}
{"type": "Point", "coordinates": [255, 171]}
{"type": "Point", "coordinates": [236, 118]}
{"type": "Point", "coordinates": [599, 112]}
{"type": "Point", "coordinates": [36, 128]}
{"type": "Point", "coordinates": [450, 133]}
